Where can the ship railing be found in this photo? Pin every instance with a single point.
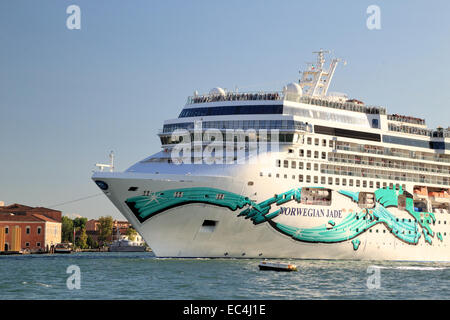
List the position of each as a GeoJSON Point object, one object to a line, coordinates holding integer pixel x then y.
{"type": "Point", "coordinates": [400, 118]}
{"type": "Point", "coordinates": [391, 165]}
{"type": "Point", "coordinates": [277, 95]}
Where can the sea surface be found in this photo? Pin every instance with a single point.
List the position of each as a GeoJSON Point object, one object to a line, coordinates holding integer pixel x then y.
{"type": "Point", "coordinates": [142, 276]}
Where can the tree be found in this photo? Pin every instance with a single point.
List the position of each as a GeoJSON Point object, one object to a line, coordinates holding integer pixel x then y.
{"type": "Point", "coordinates": [91, 243]}
{"type": "Point", "coordinates": [131, 233]}
{"type": "Point", "coordinates": [80, 223]}
{"type": "Point", "coordinates": [67, 229]}
{"type": "Point", "coordinates": [82, 239]}
{"type": "Point", "coordinates": [105, 228]}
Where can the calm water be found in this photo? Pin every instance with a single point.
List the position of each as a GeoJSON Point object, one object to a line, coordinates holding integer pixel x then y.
{"type": "Point", "coordinates": [142, 276]}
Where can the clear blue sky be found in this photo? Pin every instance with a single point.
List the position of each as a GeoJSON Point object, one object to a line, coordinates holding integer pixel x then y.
{"type": "Point", "coordinates": [69, 97]}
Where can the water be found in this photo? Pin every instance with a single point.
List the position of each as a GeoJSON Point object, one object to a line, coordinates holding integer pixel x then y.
{"type": "Point", "coordinates": [142, 276]}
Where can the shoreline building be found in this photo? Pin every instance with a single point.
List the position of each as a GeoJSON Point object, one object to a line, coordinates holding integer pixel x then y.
{"type": "Point", "coordinates": [28, 228]}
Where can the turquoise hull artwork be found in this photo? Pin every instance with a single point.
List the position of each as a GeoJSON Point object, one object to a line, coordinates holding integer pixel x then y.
{"type": "Point", "coordinates": [355, 223]}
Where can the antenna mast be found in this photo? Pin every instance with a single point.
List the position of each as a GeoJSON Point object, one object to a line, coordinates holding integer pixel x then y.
{"type": "Point", "coordinates": [315, 80]}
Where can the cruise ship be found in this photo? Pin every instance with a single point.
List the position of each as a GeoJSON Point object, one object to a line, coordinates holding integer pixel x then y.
{"type": "Point", "coordinates": [298, 173]}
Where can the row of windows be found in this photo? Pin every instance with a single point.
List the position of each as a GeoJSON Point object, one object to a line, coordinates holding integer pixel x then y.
{"type": "Point", "coordinates": [27, 244]}
{"type": "Point", "coordinates": [436, 145]}
{"type": "Point", "coordinates": [27, 230]}
{"type": "Point", "coordinates": [338, 181]}
{"type": "Point", "coordinates": [300, 165]}
{"type": "Point", "coordinates": [384, 174]}
{"type": "Point", "coordinates": [241, 124]}
{"type": "Point", "coordinates": [387, 163]}
{"type": "Point", "coordinates": [229, 110]}
{"type": "Point", "coordinates": [224, 136]}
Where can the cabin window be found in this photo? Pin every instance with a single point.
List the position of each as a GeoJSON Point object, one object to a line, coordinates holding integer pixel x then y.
{"type": "Point", "coordinates": [286, 164]}
{"type": "Point", "coordinates": [308, 153]}
{"type": "Point", "coordinates": [293, 164]}
{"type": "Point", "coordinates": [366, 200]}
{"type": "Point", "coordinates": [300, 178]}
{"type": "Point", "coordinates": [316, 196]}
{"type": "Point", "coordinates": [250, 183]}
{"type": "Point", "coordinates": [330, 180]}
{"type": "Point", "coordinates": [309, 140]}
{"type": "Point", "coordinates": [300, 165]}
{"type": "Point", "coordinates": [316, 141]}
{"type": "Point", "coordinates": [316, 179]}
{"type": "Point", "coordinates": [358, 183]}
{"type": "Point", "coordinates": [344, 182]}
{"type": "Point", "coordinates": [322, 180]}
{"type": "Point", "coordinates": [350, 182]}
{"type": "Point", "coordinates": [308, 166]}
{"type": "Point", "coordinates": [316, 166]}
{"type": "Point", "coordinates": [278, 164]}
{"type": "Point", "coordinates": [301, 153]}
{"type": "Point", "coordinates": [324, 155]}
{"type": "Point", "coordinates": [324, 143]}
{"type": "Point", "coordinates": [308, 179]}
{"type": "Point", "coordinates": [316, 154]}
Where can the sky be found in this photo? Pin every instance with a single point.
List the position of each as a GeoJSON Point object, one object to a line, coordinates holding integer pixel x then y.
{"type": "Point", "coordinates": [69, 97]}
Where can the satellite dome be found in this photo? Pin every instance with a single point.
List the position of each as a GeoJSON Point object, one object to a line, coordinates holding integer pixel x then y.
{"type": "Point", "coordinates": [293, 88]}
{"type": "Point", "coordinates": [217, 92]}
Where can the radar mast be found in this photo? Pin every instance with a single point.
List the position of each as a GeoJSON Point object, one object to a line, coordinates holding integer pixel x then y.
{"type": "Point", "coordinates": [316, 80]}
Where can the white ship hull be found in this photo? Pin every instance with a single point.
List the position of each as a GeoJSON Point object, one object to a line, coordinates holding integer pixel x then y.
{"type": "Point", "coordinates": [334, 178]}
{"type": "Point", "coordinates": [178, 231]}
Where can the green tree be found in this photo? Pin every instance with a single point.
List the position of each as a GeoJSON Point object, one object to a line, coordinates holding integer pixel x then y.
{"type": "Point", "coordinates": [90, 242]}
{"type": "Point", "coordinates": [105, 228]}
{"type": "Point", "coordinates": [131, 233]}
{"type": "Point", "coordinates": [80, 223]}
{"type": "Point", "coordinates": [82, 239]}
{"type": "Point", "coordinates": [67, 229]}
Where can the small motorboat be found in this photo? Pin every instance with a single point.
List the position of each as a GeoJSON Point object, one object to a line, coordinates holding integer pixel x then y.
{"type": "Point", "coordinates": [277, 266]}
{"type": "Point", "coordinates": [65, 247]}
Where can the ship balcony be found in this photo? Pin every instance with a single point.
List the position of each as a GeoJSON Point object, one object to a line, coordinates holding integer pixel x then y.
{"type": "Point", "coordinates": [384, 152]}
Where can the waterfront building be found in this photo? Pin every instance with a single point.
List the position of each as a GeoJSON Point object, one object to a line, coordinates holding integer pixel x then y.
{"type": "Point", "coordinates": [28, 228]}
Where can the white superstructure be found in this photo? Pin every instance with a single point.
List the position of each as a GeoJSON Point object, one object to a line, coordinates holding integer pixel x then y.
{"type": "Point", "coordinates": [337, 180]}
